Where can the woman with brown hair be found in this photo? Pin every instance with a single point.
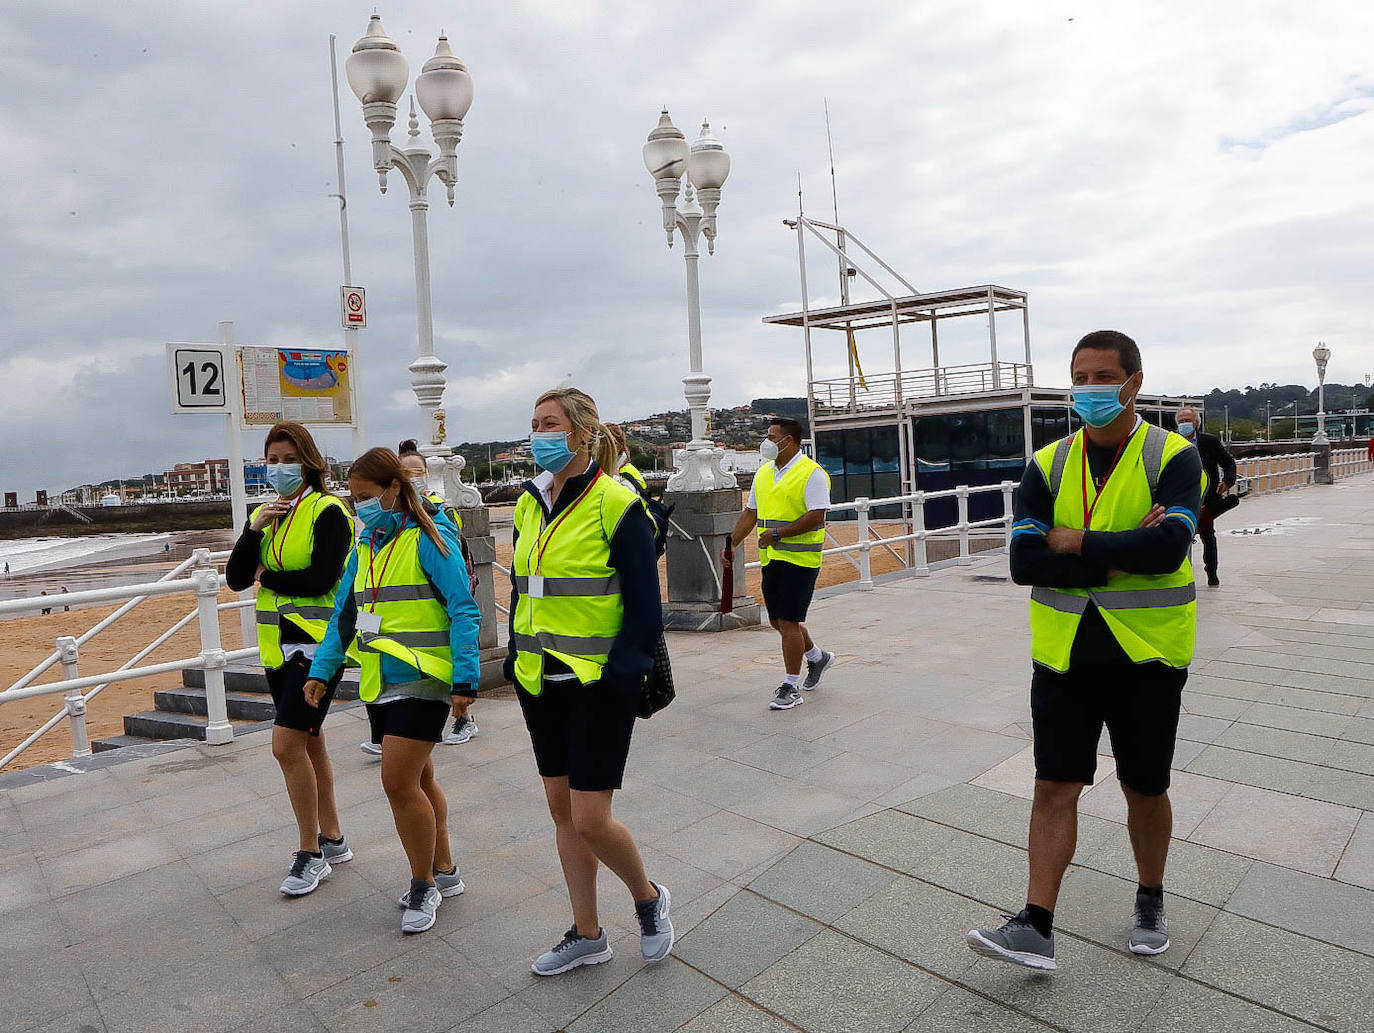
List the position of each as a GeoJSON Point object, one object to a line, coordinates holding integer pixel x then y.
{"type": "Point", "coordinates": [408, 619]}
{"type": "Point", "coordinates": [294, 547]}
{"type": "Point", "coordinates": [585, 618]}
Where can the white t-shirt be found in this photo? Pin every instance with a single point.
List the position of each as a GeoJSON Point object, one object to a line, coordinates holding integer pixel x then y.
{"type": "Point", "coordinates": [817, 486]}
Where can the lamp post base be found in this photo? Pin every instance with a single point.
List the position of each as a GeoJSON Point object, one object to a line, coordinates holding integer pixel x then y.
{"type": "Point", "coordinates": [698, 469]}
{"type": "Point", "coordinates": [1321, 466]}
{"type": "Point", "coordinates": [695, 574]}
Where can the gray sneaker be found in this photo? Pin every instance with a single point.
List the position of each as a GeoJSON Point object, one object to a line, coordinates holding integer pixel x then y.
{"type": "Point", "coordinates": [307, 872]}
{"type": "Point", "coordinates": [372, 748]}
{"type": "Point", "coordinates": [464, 728]}
{"type": "Point", "coordinates": [422, 905]}
{"type": "Point", "coordinates": [1017, 941]}
{"type": "Point", "coordinates": [786, 698]}
{"type": "Point", "coordinates": [336, 853]}
{"type": "Point", "coordinates": [815, 672]}
{"type": "Point", "coordinates": [655, 931]}
{"type": "Point", "coordinates": [571, 951]}
{"type": "Point", "coordinates": [1151, 933]}
{"type": "Point", "coordinates": [449, 884]}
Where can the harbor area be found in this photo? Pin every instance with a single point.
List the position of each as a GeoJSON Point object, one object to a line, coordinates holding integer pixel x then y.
{"type": "Point", "coordinates": [824, 863]}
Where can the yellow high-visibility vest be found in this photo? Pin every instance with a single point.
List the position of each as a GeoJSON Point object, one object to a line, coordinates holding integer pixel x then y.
{"type": "Point", "coordinates": [783, 502]}
{"type": "Point", "coordinates": [287, 545]}
{"type": "Point", "coordinates": [568, 604]}
{"type": "Point", "coordinates": [415, 623]}
{"type": "Point", "coordinates": [449, 511]}
{"type": "Point", "coordinates": [1152, 616]}
{"type": "Point", "coordinates": [630, 472]}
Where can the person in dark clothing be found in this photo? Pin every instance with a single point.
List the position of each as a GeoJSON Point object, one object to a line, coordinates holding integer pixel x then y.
{"type": "Point", "coordinates": [1103, 521]}
{"type": "Point", "coordinates": [1220, 469]}
{"type": "Point", "coordinates": [295, 548]}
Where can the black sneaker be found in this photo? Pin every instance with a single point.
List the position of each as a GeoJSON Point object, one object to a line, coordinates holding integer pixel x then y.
{"type": "Point", "coordinates": [787, 697]}
{"type": "Point", "coordinates": [1018, 941]}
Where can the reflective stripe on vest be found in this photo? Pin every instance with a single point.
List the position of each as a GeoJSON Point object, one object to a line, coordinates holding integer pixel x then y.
{"type": "Point", "coordinates": [414, 623]}
{"type": "Point", "coordinates": [288, 545]}
{"type": "Point", "coordinates": [1151, 616]}
{"type": "Point", "coordinates": [783, 502]}
{"type": "Point", "coordinates": [580, 612]}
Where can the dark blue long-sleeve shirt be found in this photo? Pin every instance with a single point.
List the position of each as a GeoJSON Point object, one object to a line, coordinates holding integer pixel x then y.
{"type": "Point", "coordinates": [635, 561]}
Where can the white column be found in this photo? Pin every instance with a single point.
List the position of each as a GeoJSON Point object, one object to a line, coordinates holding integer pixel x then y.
{"type": "Point", "coordinates": [427, 371]}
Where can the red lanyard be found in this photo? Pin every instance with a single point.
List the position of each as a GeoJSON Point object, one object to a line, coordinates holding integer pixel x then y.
{"type": "Point", "coordinates": [372, 555]}
{"type": "Point", "coordinates": [546, 538]}
{"type": "Point", "coordinates": [280, 540]}
{"type": "Point", "coordinates": [1087, 509]}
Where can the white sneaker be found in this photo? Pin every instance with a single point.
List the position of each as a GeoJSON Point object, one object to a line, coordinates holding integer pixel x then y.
{"type": "Point", "coordinates": [375, 749]}
{"type": "Point", "coordinates": [464, 728]}
{"type": "Point", "coordinates": [422, 907]}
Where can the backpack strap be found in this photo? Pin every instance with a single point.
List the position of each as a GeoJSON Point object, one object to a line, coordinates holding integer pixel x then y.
{"type": "Point", "coordinates": [1152, 454]}
{"type": "Point", "coordinates": [1061, 459]}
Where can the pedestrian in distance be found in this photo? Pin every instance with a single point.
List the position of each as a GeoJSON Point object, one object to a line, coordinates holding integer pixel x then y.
{"type": "Point", "coordinates": [1219, 469]}
{"type": "Point", "coordinates": [464, 724]}
{"type": "Point", "coordinates": [65, 609]}
{"type": "Point", "coordinates": [1102, 525]}
{"type": "Point", "coordinates": [788, 501]}
{"type": "Point", "coordinates": [295, 547]}
{"type": "Point", "coordinates": [406, 617]}
{"type": "Point", "coordinates": [47, 609]}
{"type": "Point", "coordinates": [585, 617]}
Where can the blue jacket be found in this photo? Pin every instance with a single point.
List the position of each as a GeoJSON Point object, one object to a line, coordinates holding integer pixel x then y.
{"type": "Point", "coordinates": [449, 577]}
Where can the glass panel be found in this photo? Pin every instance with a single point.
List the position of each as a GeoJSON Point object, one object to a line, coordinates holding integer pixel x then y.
{"type": "Point", "coordinates": [1048, 425]}
{"type": "Point", "coordinates": [858, 453]}
{"type": "Point", "coordinates": [886, 451]}
{"type": "Point", "coordinates": [1006, 435]}
{"type": "Point", "coordinates": [860, 485]}
{"type": "Point", "coordinates": [968, 444]}
{"type": "Point", "coordinates": [830, 449]}
{"type": "Point", "coordinates": [932, 439]}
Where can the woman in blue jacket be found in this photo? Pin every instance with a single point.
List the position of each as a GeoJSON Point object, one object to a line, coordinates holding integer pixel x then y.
{"type": "Point", "coordinates": [405, 615]}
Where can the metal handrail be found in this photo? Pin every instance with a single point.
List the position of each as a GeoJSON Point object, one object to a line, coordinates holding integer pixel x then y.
{"type": "Point", "coordinates": [966, 530]}
{"type": "Point", "coordinates": [205, 584]}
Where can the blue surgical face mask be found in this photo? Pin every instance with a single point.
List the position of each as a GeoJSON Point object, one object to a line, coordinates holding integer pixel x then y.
{"type": "Point", "coordinates": [375, 516]}
{"type": "Point", "coordinates": [1186, 429]}
{"type": "Point", "coordinates": [1098, 404]}
{"type": "Point", "coordinates": [285, 478]}
{"type": "Point", "coordinates": [550, 449]}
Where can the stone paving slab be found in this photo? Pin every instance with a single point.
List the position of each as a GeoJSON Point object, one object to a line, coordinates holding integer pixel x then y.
{"type": "Point", "coordinates": [825, 863]}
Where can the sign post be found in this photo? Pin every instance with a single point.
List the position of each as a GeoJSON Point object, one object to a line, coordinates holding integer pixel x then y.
{"type": "Point", "coordinates": [353, 307]}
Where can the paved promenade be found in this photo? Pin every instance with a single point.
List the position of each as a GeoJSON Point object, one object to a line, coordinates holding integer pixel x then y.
{"type": "Point", "coordinates": [824, 862]}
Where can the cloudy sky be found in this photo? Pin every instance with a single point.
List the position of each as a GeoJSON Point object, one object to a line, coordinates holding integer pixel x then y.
{"type": "Point", "coordinates": [1198, 179]}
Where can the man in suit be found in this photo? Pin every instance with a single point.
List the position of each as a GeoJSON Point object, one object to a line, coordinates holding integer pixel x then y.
{"type": "Point", "coordinates": [1220, 469]}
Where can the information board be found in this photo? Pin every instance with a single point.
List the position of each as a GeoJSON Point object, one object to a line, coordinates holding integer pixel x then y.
{"type": "Point", "coordinates": [308, 386]}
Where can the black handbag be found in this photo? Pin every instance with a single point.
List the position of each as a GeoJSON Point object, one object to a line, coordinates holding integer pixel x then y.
{"type": "Point", "coordinates": [658, 689]}
{"type": "Point", "coordinates": [1223, 504]}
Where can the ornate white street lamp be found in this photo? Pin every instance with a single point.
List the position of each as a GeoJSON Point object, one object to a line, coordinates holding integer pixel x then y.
{"type": "Point", "coordinates": [378, 73]}
{"type": "Point", "coordinates": [667, 157]}
{"type": "Point", "coordinates": [1321, 354]}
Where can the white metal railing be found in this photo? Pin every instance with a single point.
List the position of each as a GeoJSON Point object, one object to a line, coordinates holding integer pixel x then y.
{"type": "Point", "coordinates": [1347, 462]}
{"type": "Point", "coordinates": [1262, 475]}
{"type": "Point", "coordinates": [963, 529]}
{"type": "Point", "coordinates": [843, 394]}
{"type": "Point", "coordinates": [205, 583]}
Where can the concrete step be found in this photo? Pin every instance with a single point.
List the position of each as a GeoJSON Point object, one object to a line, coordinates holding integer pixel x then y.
{"type": "Point", "coordinates": [118, 742]}
{"type": "Point", "coordinates": [163, 724]}
{"type": "Point", "coordinates": [243, 706]}
{"type": "Point", "coordinates": [247, 678]}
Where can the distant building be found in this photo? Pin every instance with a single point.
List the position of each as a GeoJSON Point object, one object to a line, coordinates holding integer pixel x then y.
{"type": "Point", "coordinates": [209, 475]}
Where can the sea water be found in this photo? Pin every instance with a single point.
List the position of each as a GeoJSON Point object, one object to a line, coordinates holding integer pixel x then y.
{"type": "Point", "coordinates": [28, 555]}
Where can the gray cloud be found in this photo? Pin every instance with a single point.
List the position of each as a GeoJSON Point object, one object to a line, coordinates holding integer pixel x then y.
{"type": "Point", "coordinates": [169, 166]}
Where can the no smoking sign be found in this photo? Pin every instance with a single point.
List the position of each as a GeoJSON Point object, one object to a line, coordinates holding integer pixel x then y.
{"type": "Point", "coordinates": [353, 307]}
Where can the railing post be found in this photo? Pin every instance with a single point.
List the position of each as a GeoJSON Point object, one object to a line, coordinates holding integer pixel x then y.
{"type": "Point", "coordinates": [217, 729]}
{"type": "Point", "coordinates": [918, 528]}
{"type": "Point", "coordinates": [961, 497]}
{"type": "Point", "coordinates": [69, 653]}
{"type": "Point", "coordinates": [865, 545]}
{"type": "Point", "coordinates": [1008, 507]}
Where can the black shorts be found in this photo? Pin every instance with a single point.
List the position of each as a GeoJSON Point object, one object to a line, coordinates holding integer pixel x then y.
{"type": "Point", "coordinates": [409, 718]}
{"type": "Point", "coordinates": [581, 731]}
{"type": "Point", "coordinates": [787, 590]}
{"type": "Point", "coordinates": [286, 683]}
{"type": "Point", "coordinates": [1139, 704]}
